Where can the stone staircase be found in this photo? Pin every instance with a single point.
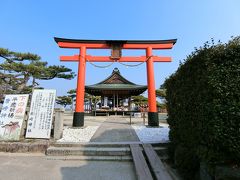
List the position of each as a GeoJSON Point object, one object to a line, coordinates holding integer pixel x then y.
{"type": "Point", "coordinates": [97, 151]}
{"type": "Point", "coordinates": [148, 159]}
{"type": "Point", "coordinates": [89, 151]}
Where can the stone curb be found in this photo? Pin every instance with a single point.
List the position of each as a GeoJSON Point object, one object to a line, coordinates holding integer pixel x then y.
{"type": "Point", "coordinates": [24, 147]}
{"type": "Point", "coordinates": [42, 146]}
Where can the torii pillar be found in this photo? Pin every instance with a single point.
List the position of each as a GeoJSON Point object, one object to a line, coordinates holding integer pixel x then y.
{"type": "Point", "coordinates": [78, 116]}
{"type": "Point", "coordinates": [152, 105]}
{"type": "Point", "coordinates": [116, 56]}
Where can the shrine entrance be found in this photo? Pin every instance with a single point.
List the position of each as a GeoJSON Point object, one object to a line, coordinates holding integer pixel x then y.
{"type": "Point", "coordinates": [115, 92]}
{"type": "Point", "coordinates": [116, 47]}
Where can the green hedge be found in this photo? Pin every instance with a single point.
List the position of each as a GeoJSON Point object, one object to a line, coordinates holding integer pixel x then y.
{"type": "Point", "coordinates": [203, 101]}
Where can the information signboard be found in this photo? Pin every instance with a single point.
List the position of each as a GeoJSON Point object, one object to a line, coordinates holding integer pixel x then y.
{"type": "Point", "coordinates": [41, 113]}
{"type": "Point", "coordinates": [12, 116]}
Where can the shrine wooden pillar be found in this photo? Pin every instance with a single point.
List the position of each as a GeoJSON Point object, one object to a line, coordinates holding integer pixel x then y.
{"type": "Point", "coordinates": [78, 117]}
{"type": "Point", "coordinates": [114, 101]}
{"type": "Point", "coordinates": [129, 103]}
{"type": "Point", "coordinates": [117, 100]}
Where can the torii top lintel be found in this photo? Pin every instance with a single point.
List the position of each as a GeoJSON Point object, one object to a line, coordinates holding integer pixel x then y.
{"type": "Point", "coordinates": [117, 45]}
{"type": "Point", "coordinates": [106, 44]}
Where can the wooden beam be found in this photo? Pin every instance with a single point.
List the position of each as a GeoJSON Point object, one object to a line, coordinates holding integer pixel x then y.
{"type": "Point", "coordinates": [122, 59]}
{"type": "Point", "coordinates": [70, 58]}
{"type": "Point", "coordinates": [141, 167]}
{"type": "Point", "coordinates": [159, 170]}
{"type": "Point", "coordinates": [79, 45]}
{"type": "Point", "coordinates": [106, 46]}
{"type": "Point", "coordinates": [145, 46]}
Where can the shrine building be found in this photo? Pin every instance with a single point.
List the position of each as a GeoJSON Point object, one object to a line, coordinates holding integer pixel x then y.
{"type": "Point", "coordinates": [115, 91]}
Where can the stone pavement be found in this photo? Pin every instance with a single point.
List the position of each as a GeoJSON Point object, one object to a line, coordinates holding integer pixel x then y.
{"type": "Point", "coordinates": [115, 129]}
{"type": "Point", "coordinates": [18, 166]}
{"type": "Point", "coordinates": [28, 166]}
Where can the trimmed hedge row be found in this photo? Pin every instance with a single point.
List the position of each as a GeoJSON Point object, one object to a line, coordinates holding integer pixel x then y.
{"type": "Point", "coordinates": [203, 101]}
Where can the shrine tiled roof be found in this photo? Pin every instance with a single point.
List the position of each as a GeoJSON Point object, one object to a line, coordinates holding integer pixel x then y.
{"type": "Point", "coordinates": [116, 87]}
{"type": "Point", "coordinates": [116, 82]}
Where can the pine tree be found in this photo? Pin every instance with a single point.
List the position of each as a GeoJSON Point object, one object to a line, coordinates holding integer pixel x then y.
{"type": "Point", "coordinates": [19, 72]}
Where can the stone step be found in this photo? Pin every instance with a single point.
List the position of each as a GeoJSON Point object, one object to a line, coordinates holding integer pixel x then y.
{"type": "Point", "coordinates": [159, 144]}
{"type": "Point", "coordinates": [88, 151]}
{"type": "Point", "coordinates": [161, 152]}
{"type": "Point", "coordinates": [173, 172]}
{"type": "Point", "coordinates": [93, 144]}
{"type": "Point", "coordinates": [102, 151]}
{"type": "Point", "coordinates": [105, 144]}
{"type": "Point", "coordinates": [91, 158]}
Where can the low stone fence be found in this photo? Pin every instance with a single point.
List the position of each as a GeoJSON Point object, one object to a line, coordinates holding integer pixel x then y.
{"type": "Point", "coordinates": [24, 147]}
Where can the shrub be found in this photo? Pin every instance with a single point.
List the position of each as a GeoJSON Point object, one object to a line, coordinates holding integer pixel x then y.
{"type": "Point", "coordinates": [203, 102]}
{"type": "Point", "coordinates": [185, 162]}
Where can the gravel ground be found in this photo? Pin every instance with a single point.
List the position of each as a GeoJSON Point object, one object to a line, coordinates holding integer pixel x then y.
{"type": "Point", "coordinates": [153, 134]}
{"type": "Point", "coordinates": [145, 134]}
{"type": "Point", "coordinates": [78, 135]}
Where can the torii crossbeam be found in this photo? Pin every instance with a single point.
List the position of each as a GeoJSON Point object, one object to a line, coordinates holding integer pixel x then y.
{"type": "Point", "coordinates": [116, 56]}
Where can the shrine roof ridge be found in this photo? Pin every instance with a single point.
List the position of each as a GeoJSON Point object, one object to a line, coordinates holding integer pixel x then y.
{"type": "Point", "coordinates": [116, 72]}
{"type": "Point", "coordinates": [116, 86]}
{"type": "Point", "coordinates": [115, 41]}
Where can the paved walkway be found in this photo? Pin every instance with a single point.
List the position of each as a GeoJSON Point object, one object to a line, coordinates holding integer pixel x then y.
{"type": "Point", "coordinates": [115, 130]}
{"type": "Point", "coordinates": [36, 166]}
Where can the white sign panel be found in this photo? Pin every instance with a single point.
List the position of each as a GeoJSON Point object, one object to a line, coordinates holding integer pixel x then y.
{"type": "Point", "coordinates": [12, 115]}
{"type": "Point", "coordinates": [41, 113]}
{"type": "Point", "coordinates": [105, 104]}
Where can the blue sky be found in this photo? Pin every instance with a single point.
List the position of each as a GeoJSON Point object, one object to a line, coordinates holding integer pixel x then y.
{"type": "Point", "coordinates": [29, 26]}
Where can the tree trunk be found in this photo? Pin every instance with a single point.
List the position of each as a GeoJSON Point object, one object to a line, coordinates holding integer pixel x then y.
{"type": "Point", "coordinates": [33, 83]}
{"type": "Point", "coordinates": [23, 84]}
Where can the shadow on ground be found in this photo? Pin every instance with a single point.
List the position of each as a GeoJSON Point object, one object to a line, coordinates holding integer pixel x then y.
{"type": "Point", "coordinates": [115, 130]}
{"type": "Point", "coordinates": [96, 170]}
{"type": "Point", "coordinates": [112, 130]}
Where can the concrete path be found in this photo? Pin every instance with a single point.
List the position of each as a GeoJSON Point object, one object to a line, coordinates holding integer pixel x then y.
{"type": "Point", "coordinates": [35, 166]}
{"type": "Point", "coordinates": [115, 130]}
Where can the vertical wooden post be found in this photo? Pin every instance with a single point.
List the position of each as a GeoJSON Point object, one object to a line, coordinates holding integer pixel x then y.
{"type": "Point", "coordinates": [117, 101]}
{"type": "Point", "coordinates": [78, 118]}
{"type": "Point", "coordinates": [114, 103]}
{"type": "Point", "coordinates": [152, 114]}
{"type": "Point", "coordinates": [129, 103]}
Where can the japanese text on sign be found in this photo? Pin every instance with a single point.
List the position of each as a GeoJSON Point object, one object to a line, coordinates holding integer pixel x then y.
{"type": "Point", "coordinates": [41, 113]}
{"type": "Point", "coordinates": [12, 116]}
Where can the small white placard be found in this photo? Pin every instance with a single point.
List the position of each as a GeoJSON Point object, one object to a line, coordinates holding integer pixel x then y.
{"type": "Point", "coordinates": [137, 115]}
{"type": "Point", "coordinates": [41, 113]}
{"type": "Point", "coordinates": [12, 115]}
{"type": "Point", "coordinates": [105, 102]}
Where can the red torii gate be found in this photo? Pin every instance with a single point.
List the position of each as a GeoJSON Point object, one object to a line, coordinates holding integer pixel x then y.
{"type": "Point", "coordinates": [116, 56]}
